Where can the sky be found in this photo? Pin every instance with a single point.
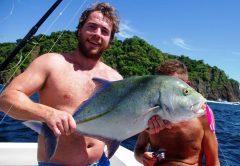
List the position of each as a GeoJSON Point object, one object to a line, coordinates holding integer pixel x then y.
{"type": "Point", "coordinates": [207, 30]}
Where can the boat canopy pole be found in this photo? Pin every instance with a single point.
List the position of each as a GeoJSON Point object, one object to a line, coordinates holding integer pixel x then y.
{"type": "Point", "coordinates": [29, 35]}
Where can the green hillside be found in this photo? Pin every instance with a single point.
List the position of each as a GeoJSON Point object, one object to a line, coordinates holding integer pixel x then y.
{"type": "Point", "coordinates": [133, 56]}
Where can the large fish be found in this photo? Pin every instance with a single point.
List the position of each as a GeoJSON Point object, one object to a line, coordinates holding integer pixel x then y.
{"type": "Point", "coordinates": [121, 109]}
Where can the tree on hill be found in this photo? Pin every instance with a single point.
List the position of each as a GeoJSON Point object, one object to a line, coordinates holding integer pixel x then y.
{"type": "Point", "coordinates": [132, 56]}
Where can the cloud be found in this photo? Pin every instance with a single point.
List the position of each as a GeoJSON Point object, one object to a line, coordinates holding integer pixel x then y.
{"type": "Point", "coordinates": [126, 31]}
{"type": "Point", "coordinates": [181, 43]}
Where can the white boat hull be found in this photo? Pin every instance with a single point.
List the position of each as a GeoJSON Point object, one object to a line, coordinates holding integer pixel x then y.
{"type": "Point", "coordinates": [19, 154]}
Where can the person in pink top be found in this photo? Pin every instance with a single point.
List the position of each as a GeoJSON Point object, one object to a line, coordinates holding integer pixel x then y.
{"type": "Point", "coordinates": [182, 144]}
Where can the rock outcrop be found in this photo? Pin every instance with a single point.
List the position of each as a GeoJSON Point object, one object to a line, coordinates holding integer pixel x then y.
{"type": "Point", "coordinates": [227, 92]}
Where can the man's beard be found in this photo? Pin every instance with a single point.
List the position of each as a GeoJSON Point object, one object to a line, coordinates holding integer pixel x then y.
{"type": "Point", "coordinates": [87, 52]}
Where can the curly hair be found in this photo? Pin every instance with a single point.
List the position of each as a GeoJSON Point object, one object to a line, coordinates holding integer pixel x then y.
{"type": "Point", "coordinates": [171, 66]}
{"type": "Point", "coordinates": [107, 10]}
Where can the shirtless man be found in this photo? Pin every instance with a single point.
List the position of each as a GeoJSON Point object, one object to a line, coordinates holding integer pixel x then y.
{"type": "Point", "coordinates": [64, 81]}
{"type": "Point", "coordinates": [184, 143]}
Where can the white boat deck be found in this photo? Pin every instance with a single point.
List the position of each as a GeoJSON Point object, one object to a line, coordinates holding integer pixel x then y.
{"type": "Point", "coordinates": [19, 154]}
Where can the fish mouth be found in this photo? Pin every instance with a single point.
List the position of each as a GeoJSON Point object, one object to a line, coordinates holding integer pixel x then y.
{"type": "Point", "coordinates": [199, 108]}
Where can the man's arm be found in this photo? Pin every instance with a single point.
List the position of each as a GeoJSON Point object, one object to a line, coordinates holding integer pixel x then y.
{"type": "Point", "coordinates": [210, 144]}
{"type": "Point", "coordinates": [141, 150]}
{"type": "Point", "coordinates": [14, 101]}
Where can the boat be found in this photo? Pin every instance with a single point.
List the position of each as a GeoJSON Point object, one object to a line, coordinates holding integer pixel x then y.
{"type": "Point", "coordinates": [25, 154]}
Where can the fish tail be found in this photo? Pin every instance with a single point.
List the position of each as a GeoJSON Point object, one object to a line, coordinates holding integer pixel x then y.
{"type": "Point", "coordinates": [50, 138]}
{"type": "Point", "coordinates": [112, 146]}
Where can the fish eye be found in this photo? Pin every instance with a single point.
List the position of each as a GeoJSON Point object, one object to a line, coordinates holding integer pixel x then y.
{"type": "Point", "coordinates": [186, 91]}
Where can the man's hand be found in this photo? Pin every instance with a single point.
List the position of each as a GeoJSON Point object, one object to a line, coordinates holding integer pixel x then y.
{"type": "Point", "coordinates": [156, 124]}
{"type": "Point", "coordinates": [148, 159]}
{"type": "Point", "coordinates": [61, 123]}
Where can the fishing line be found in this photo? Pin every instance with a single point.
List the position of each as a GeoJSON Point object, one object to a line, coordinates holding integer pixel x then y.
{"type": "Point", "coordinates": [6, 71]}
{"type": "Point", "coordinates": [10, 14]}
{"type": "Point", "coordinates": [4, 85]}
{"type": "Point", "coordinates": [35, 44]}
{"type": "Point", "coordinates": [4, 116]}
{"type": "Point", "coordinates": [69, 23]}
{"type": "Point", "coordinates": [59, 36]}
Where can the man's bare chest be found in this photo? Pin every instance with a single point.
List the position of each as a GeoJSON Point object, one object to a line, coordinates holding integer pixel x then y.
{"type": "Point", "coordinates": [68, 89]}
{"type": "Point", "coordinates": [183, 134]}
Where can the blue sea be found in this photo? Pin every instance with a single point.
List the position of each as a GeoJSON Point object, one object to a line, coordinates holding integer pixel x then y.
{"type": "Point", "coordinates": [227, 117]}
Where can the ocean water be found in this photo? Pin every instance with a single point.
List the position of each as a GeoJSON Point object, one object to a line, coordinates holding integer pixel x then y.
{"type": "Point", "coordinates": [227, 117]}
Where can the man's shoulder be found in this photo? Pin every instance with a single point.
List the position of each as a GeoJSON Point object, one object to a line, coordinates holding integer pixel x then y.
{"type": "Point", "coordinates": [47, 62]}
{"type": "Point", "coordinates": [112, 73]}
{"type": "Point", "coordinates": [51, 59]}
{"type": "Point", "coordinates": [51, 56]}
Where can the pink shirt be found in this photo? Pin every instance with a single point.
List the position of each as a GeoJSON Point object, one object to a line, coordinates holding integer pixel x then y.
{"type": "Point", "coordinates": [210, 118]}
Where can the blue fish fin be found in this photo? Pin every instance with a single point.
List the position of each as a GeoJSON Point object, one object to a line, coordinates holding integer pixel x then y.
{"type": "Point", "coordinates": [50, 139]}
{"type": "Point", "coordinates": [35, 126]}
{"type": "Point", "coordinates": [112, 146]}
{"type": "Point", "coordinates": [101, 86]}
{"type": "Point", "coordinates": [101, 81]}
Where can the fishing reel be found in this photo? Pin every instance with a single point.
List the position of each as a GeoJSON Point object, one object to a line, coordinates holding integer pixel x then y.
{"type": "Point", "coordinates": [159, 155]}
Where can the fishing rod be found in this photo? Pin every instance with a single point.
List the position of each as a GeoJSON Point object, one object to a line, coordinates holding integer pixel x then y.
{"type": "Point", "coordinates": [29, 35]}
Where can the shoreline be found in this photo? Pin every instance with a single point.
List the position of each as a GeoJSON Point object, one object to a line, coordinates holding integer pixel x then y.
{"type": "Point", "coordinates": [223, 102]}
